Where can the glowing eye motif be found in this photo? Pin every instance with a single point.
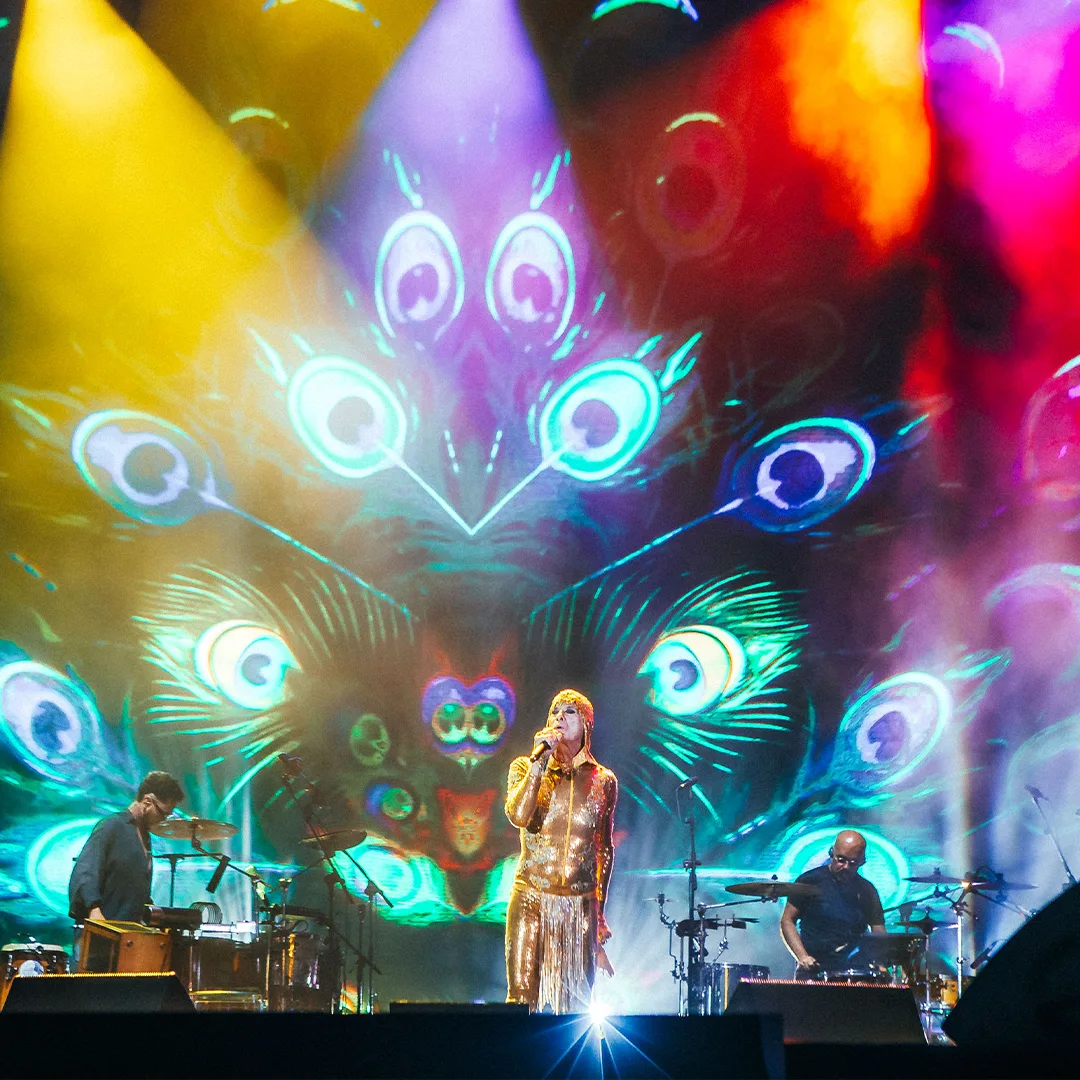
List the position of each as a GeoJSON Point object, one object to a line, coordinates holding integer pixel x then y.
{"type": "Point", "coordinates": [531, 279]}
{"type": "Point", "coordinates": [390, 801]}
{"type": "Point", "coordinates": [690, 187]}
{"type": "Point", "coordinates": [801, 474]}
{"type": "Point", "coordinates": [369, 741]}
{"type": "Point", "coordinates": [1052, 436]}
{"type": "Point", "coordinates": [50, 858]}
{"type": "Point", "coordinates": [693, 668]}
{"type": "Point", "coordinates": [245, 662]}
{"type": "Point", "coordinates": [600, 418]}
{"type": "Point", "coordinates": [49, 721]}
{"type": "Point", "coordinates": [145, 467]}
{"type": "Point", "coordinates": [467, 722]}
{"type": "Point", "coordinates": [346, 416]}
{"type": "Point", "coordinates": [891, 729]}
{"type": "Point", "coordinates": [419, 279]}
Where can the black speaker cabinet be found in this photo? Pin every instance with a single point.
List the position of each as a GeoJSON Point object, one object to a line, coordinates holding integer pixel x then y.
{"type": "Point", "coordinates": [461, 1008]}
{"type": "Point", "coordinates": [833, 1013]}
{"type": "Point", "coordinates": [119, 993]}
{"type": "Point", "coordinates": [1029, 993]}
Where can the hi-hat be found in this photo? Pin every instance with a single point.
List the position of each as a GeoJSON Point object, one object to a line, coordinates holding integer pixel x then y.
{"type": "Point", "coordinates": [194, 829]}
{"type": "Point", "coordinates": [340, 840]}
{"type": "Point", "coordinates": [926, 925]}
{"type": "Point", "coordinates": [773, 890]}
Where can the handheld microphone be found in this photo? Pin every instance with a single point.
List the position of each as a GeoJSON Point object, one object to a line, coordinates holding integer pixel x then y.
{"type": "Point", "coordinates": [688, 782]}
{"type": "Point", "coordinates": [1035, 793]}
{"type": "Point", "coordinates": [546, 744]}
{"type": "Point", "coordinates": [219, 872]}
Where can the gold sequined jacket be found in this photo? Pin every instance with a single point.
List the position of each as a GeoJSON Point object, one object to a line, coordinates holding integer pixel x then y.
{"type": "Point", "coordinates": [566, 842]}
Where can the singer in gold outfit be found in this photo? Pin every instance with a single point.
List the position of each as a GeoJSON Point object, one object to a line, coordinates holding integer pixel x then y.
{"type": "Point", "coordinates": [563, 803]}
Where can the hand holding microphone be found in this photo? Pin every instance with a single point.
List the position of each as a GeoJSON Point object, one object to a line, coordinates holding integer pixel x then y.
{"type": "Point", "coordinates": [546, 740]}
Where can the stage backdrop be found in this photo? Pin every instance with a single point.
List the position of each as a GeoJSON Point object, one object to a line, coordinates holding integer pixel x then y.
{"type": "Point", "coordinates": [371, 371]}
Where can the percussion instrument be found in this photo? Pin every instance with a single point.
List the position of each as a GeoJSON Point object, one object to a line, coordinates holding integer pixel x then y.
{"type": "Point", "coordinates": [719, 982]}
{"type": "Point", "coordinates": [773, 890]}
{"type": "Point", "coordinates": [246, 1001]}
{"type": "Point", "coordinates": [29, 959]}
{"type": "Point", "coordinates": [299, 966]}
{"type": "Point", "coordinates": [115, 946]}
{"type": "Point", "coordinates": [855, 976]}
{"type": "Point", "coordinates": [972, 881]}
{"type": "Point", "coordinates": [341, 840]}
{"type": "Point", "coordinates": [193, 829]}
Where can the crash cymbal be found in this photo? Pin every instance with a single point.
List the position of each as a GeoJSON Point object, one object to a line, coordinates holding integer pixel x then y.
{"type": "Point", "coordinates": [339, 840]}
{"type": "Point", "coordinates": [972, 881]}
{"type": "Point", "coordinates": [201, 829]}
{"type": "Point", "coordinates": [991, 884]}
{"type": "Point", "coordinates": [770, 890]}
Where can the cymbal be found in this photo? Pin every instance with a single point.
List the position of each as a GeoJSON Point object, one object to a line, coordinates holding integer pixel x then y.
{"type": "Point", "coordinates": [926, 925]}
{"type": "Point", "coordinates": [973, 881]}
{"type": "Point", "coordinates": [770, 890]}
{"type": "Point", "coordinates": [689, 927]}
{"type": "Point", "coordinates": [936, 878]}
{"type": "Point", "coordinates": [994, 883]}
{"type": "Point", "coordinates": [201, 829]}
{"type": "Point", "coordinates": [339, 840]}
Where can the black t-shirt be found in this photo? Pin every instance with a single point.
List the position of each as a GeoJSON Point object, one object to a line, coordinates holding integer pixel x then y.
{"type": "Point", "coordinates": [112, 872]}
{"type": "Point", "coordinates": [848, 904]}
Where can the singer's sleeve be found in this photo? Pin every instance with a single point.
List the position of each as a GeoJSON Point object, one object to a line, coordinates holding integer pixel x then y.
{"type": "Point", "coordinates": [605, 847]}
{"type": "Point", "coordinates": [85, 888]}
{"type": "Point", "coordinates": [522, 788]}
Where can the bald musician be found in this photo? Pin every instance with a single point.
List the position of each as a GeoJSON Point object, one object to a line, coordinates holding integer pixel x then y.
{"type": "Point", "coordinates": [819, 931]}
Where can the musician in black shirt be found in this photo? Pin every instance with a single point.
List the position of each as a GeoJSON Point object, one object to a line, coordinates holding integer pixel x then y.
{"type": "Point", "coordinates": [112, 874]}
{"type": "Point", "coordinates": [819, 930]}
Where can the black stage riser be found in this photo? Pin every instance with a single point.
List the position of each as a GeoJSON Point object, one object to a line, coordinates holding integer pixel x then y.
{"type": "Point", "coordinates": [441, 1045]}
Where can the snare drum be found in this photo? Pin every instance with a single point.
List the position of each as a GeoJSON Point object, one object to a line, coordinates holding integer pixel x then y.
{"type": "Point", "coordinates": [718, 982]}
{"type": "Point", "coordinates": [30, 959]}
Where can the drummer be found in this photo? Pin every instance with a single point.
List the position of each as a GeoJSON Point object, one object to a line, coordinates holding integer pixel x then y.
{"type": "Point", "coordinates": [111, 879]}
{"type": "Point", "coordinates": [819, 930]}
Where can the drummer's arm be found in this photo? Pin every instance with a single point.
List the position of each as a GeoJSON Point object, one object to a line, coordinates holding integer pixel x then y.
{"type": "Point", "coordinates": [875, 916]}
{"type": "Point", "coordinates": [790, 933]}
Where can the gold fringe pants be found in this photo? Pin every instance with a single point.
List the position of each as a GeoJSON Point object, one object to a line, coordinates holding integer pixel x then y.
{"type": "Point", "coordinates": [550, 949]}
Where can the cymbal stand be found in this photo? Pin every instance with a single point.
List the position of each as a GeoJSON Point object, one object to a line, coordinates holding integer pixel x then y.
{"type": "Point", "coordinates": [695, 948]}
{"type": "Point", "coordinates": [1038, 801]}
{"type": "Point", "coordinates": [371, 891]}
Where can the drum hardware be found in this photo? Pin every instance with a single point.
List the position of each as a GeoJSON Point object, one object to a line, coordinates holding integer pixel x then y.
{"type": "Point", "coordinates": [172, 918]}
{"type": "Point", "coordinates": [330, 842]}
{"type": "Point", "coordinates": [173, 857]}
{"type": "Point", "coordinates": [1038, 798]}
{"type": "Point", "coordinates": [721, 980]}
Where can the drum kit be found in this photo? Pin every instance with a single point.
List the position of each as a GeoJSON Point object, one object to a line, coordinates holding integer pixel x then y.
{"type": "Point", "coordinates": [289, 958]}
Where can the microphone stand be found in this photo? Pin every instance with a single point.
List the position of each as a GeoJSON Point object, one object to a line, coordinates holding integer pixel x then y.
{"type": "Point", "coordinates": [316, 830]}
{"type": "Point", "coordinates": [1053, 836]}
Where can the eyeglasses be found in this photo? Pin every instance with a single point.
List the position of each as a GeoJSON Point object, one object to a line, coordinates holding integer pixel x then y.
{"type": "Point", "coordinates": [843, 860]}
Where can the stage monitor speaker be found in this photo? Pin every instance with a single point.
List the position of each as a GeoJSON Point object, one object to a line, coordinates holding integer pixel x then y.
{"type": "Point", "coordinates": [832, 1012]}
{"type": "Point", "coordinates": [1028, 993]}
{"type": "Point", "coordinates": [116, 993]}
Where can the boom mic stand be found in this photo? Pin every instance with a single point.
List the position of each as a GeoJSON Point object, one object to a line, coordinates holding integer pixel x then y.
{"type": "Point", "coordinates": [695, 942]}
{"type": "Point", "coordinates": [317, 832]}
{"type": "Point", "coordinates": [1038, 798]}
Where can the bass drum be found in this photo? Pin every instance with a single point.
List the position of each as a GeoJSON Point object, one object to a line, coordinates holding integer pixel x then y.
{"type": "Point", "coordinates": [719, 982]}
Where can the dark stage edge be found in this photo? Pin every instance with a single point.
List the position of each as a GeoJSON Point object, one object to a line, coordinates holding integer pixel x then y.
{"type": "Point", "coordinates": [453, 1045]}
